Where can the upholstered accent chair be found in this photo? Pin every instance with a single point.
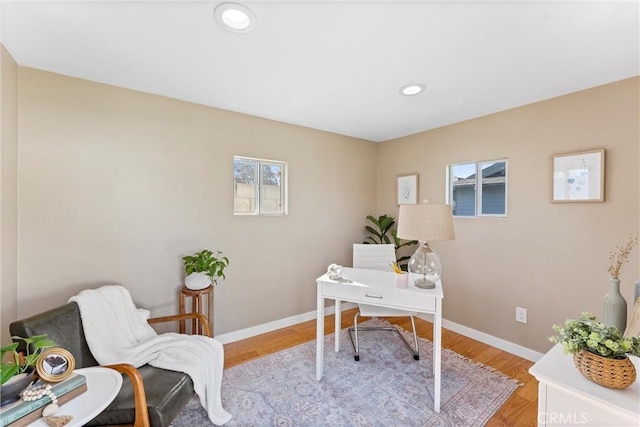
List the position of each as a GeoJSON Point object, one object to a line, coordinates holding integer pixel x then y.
{"type": "Point", "coordinates": [149, 396]}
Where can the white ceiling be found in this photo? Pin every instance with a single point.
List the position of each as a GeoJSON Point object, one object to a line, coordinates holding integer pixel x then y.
{"type": "Point", "coordinates": [336, 65]}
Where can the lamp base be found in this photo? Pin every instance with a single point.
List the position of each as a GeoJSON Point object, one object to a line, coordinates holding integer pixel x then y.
{"type": "Point", "coordinates": [423, 283]}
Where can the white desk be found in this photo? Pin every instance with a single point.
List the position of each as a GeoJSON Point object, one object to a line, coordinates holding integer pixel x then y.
{"type": "Point", "coordinates": [566, 397]}
{"type": "Point", "coordinates": [379, 288]}
{"type": "Point", "coordinates": [103, 385]}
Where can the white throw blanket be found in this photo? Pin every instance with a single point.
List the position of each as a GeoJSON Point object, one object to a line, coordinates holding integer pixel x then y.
{"type": "Point", "coordinates": [117, 332]}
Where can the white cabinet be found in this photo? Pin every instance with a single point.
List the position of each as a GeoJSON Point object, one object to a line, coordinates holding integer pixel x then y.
{"type": "Point", "coordinates": [566, 398]}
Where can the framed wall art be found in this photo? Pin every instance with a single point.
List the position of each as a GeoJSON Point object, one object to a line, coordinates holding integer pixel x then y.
{"type": "Point", "coordinates": [55, 364]}
{"type": "Point", "coordinates": [407, 190]}
{"type": "Point", "coordinates": [579, 176]}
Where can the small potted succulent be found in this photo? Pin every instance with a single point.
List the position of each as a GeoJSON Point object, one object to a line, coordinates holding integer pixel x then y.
{"type": "Point", "coordinates": [599, 352]}
{"type": "Point", "coordinates": [204, 269]}
{"type": "Point", "coordinates": [17, 369]}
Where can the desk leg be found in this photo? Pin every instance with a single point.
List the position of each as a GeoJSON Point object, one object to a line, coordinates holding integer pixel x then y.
{"type": "Point", "coordinates": [338, 329]}
{"type": "Point", "coordinates": [319, 334]}
{"type": "Point", "coordinates": [437, 354]}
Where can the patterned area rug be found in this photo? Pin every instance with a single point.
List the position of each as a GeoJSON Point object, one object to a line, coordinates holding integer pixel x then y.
{"type": "Point", "coordinates": [385, 388]}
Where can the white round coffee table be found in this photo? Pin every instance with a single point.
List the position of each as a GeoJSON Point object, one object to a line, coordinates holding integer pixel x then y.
{"type": "Point", "coordinates": [103, 385]}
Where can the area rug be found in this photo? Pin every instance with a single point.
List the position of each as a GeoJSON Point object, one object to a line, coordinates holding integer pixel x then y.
{"type": "Point", "coordinates": [387, 387]}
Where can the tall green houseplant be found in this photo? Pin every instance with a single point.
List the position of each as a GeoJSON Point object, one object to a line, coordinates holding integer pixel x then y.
{"type": "Point", "coordinates": [382, 232]}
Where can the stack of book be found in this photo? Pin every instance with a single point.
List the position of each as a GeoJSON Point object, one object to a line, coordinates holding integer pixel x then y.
{"type": "Point", "coordinates": [21, 413]}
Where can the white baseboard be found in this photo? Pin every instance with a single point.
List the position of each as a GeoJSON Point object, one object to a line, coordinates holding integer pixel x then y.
{"type": "Point", "coordinates": [518, 350]}
{"type": "Point", "coordinates": [277, 324]}
{"type": "Point", "coordinates": [499, 343]}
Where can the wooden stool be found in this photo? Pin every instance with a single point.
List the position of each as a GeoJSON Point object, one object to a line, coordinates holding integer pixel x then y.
{"type": "Point", "coordinates": [196, 307]}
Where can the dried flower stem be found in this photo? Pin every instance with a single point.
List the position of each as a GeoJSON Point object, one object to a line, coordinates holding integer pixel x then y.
{"type": "Point", "coordinates": [620, 256]}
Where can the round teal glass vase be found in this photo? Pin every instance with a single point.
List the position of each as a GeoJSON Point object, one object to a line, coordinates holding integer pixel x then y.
{"type": "Point", "coordinates": [614, 307]}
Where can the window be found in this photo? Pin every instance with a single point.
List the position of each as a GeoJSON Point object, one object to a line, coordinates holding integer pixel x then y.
{"type": "Point", "coordinates": [467, 198]}
{"type": "Point", "coordinates": [259, 187]}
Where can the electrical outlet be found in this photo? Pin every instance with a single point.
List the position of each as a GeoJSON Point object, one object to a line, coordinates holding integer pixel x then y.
{"type": "Point", "coordinates": [521, 315]}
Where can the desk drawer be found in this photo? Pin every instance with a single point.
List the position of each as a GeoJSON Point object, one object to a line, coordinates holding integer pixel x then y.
{"type": "Point", "coordinates": [405, 299]}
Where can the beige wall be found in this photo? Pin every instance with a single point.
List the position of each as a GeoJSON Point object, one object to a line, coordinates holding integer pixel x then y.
{"type": "Point", "coordinates": [9, 198]}
{"type": "Point", "coordinates": [551, 258]}
{"type": "Point", "coordinates": [117, 185]}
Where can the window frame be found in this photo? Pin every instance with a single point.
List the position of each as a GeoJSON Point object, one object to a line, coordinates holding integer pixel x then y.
{"type": "Point", "coordinates": [477, 188]}
{"type": "Point", "coordinates": [259, 190]}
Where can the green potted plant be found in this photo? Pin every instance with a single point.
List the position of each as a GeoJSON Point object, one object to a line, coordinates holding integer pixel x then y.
{"type": "Point", "coordinates": [380, 236]}
{"type": "Point", "coordinates": [204, 269]}
{"type": "Point", "coordinates": [16, 372]}
{"type": "Point", "coordinates": [599, 352]}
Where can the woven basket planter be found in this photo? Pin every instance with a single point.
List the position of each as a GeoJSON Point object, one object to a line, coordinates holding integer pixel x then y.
{"type": "Point", "coordinates": [611, 373]}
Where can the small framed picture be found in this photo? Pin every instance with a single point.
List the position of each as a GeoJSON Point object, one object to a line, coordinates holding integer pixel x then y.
{"type": "Point", "coordinates": [407, 190]}
{"type": "Point", "coordinates": [55, 365]}
{"type": "Point", "coordinates": [578, 177]}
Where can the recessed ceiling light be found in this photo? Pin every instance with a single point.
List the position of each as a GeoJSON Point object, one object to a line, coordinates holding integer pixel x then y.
{"type": "Point", "coordinates": [235, 17]}
{"type": "Point", "coordinates": [412, 89]}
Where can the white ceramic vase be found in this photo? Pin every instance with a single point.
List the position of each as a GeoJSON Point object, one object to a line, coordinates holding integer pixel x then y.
{"type": "Point", "coordinates": [197, 281]}
{"type": "Point", "coordinates": [614, 307]}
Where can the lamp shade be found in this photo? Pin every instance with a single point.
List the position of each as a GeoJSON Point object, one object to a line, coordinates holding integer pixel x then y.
{"type": "Point", "coordinates": [425, 222]}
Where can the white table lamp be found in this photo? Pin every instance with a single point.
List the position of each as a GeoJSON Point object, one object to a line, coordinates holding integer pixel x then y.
{"type": "Point", "coordinates": [425, 223]}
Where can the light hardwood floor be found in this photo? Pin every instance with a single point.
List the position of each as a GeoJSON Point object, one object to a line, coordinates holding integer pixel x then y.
{"type": "Point", "coordinates": [520, 410]}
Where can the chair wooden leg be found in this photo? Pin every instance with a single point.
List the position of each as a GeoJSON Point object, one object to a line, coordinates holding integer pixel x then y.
{"type": "Point", "coordinates": [139, 395]}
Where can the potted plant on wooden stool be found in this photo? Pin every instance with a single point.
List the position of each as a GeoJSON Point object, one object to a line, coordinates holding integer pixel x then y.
{"type": "Point", "coordinates": [204, 269]}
